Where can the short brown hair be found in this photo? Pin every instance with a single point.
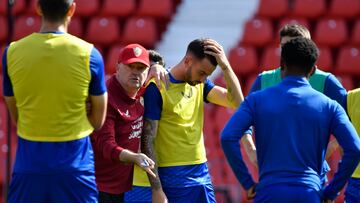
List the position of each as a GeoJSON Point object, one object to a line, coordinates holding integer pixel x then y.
{"type": "Point", "coordinates": [295, 30]}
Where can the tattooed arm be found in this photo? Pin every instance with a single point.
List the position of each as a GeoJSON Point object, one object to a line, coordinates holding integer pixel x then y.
{"type": "Point", "coordinates": [147, 147]}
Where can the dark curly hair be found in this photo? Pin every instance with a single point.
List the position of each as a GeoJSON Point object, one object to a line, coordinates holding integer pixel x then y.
{"type": "Point", "coordinates": [300, 55]}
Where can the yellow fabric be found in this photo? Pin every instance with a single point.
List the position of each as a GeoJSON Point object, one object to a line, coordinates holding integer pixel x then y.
{"type": "Point", "coordinates": [50, 75]}
{"type": "Point", "coordinates": [353, 108]}
{"type": "Point", "coordinates": [140, 177]}
{"type": "Point", "coordinates": [179, 140]}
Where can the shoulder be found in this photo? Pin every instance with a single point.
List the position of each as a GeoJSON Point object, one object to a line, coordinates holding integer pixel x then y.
{"type": "Point", "coordinates": [79, 42]}
{"type": "Point", "coordinates": [270, 72]}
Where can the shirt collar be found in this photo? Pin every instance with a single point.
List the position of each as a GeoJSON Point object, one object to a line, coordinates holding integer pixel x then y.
{"type": "Point", "coordinates": [296, 80]}
{"type": "Point", "coordinates": [173, 80]}
{"type": "Point", "coordinates": [52, 32]}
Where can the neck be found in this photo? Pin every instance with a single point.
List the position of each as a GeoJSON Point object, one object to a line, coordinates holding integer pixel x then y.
{"type": "Point", "coordinates": [285, 74]}
{"type": "Point", "coordinates": [131, 94]}
{"type": "Point", "coordinates": [53, 27]}
{"type": "Point", "coordinates": [178, 71]}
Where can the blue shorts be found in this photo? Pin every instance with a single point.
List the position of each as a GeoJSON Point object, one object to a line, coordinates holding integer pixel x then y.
{"type": "Point", "coordinates": [352, 193]}
{"type": "Point", "coordinates": [198, 194]}
{"type": "Point", "coordinates": [55, 188]}
{"type": "Point", "coordinates": [138, 194]}
{"type": "Point", "coordinates": [283, 193]}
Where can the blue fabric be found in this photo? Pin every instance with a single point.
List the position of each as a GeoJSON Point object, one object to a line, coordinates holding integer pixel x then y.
{"type": "Point", "coordinates": [54, 32]}
{"type": "Point", "coordinates": [7, 86]}
{"type": "Point", "coordinates": [190, 183]}
{"type": "Point", "coordinates": [292, 133]}
{"type": "Point", "coordinates": [334, 90]}
{"type": "Point", "coordinates": [352, 192]}
{"type": "Point", "coordinates": [198, 194]}
{"type": "Point", "coordinates": [287, 193]}
{"type": "Point", "coordinates": [138, 194]}
{"type": "Point", "coordinates": [152, 102]}
{"type": "Point", "coordinates": [54, 157]}
{"type": "Point", "coordinates": [56, 188]}
{"type": "Point", "coordinates": [256, 85]}
{"type": "Point", "coordinates": [184, 176]}
{"type": "Point", "coordinates": [153, 99]}
{"type": "Point", "coordinates": [97, 83]}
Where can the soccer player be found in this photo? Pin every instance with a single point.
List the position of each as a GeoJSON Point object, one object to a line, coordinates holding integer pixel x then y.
{"type": "Point", "coordinates": [48, 76]}
{"type": "Point", "coordinates": [321, 81]}
{"type": "Point", "coordinates": [141, 190]}
{"type": "Point", "coordinates": [292, 133]}
{"type": "Point", "coordinates": [352, 193]}
{"type": "Point", "coordinates": [174, 123]}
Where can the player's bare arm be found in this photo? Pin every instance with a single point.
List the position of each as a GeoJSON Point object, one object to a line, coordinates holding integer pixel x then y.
{"type": "Point", "coordinates": [250, 148]}
{"type": "Point", "coordinates": [231, 96]}
{"type": "Point", "coordinates": [11, 105]}
{"type": "Point", "coordinates": [147, 147]}
{"type": "Point", "coordinates": [98, 110]}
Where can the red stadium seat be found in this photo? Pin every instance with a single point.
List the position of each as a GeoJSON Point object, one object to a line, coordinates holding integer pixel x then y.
{"type": "Point", "coordinates": [216, 172]}
{"type": "Point", "coordinates": [222, 115]}
{"type": "Point", "coordinates": [325, 60]}
{"type": "Point", "coordinates": [257, 32]}
{"type": "Point", "coordinates": [140, 30]}
{"type": "Point", "coordinates": [355, 36]}
{"type": "Point", "coordinates": [243, 59]}
{"type": "Point", "coordinates": [220, 81]}
{"type": "Point", "coordinates": [26, 25]}
{"type": "Point", "coordinates": [249, 82]}
{"type": "Point", "coordinates": [76, 27]}
{"type": "Point", "coordinates": [98, 26]}
{"type": "Point", "coordinates": [346, 81]}
{"type": "Point", "coordinates": [344, 8]}
{"type": "Point", "coordinates": [273, 8]}
{"type": "Point", "coordinates": [270, 58]}
{"type": "Point", "coordinates": [19, 6]}
{"type": "Point", "coordinates": [348, 61]}
{"type": "Point", "coordinates": [86, 7]}
{"type": "Point", "coordinates": [112, 59]}
{"type": "Point", "coordinates": [118, 7]}
{"type": "Point", "coordinates": [155, 8]}
{"type": "Point", "coordinates": [308, 8]}
{"type": "Point", "coordinates": [31, 9]}
{"type": "Point", "coordinates": [3, 119]}
{"type": "Point", "coordinates": [3, 29]}
{"type": "Point", "coordinates": [331, 32]}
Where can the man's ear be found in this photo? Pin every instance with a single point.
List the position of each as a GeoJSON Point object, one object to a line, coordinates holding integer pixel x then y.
{"type": "Point", "coordinates": [38, 9]}
{"type": "Point", "coordinates": [188, 60]}
{"type": "Point", "coordinates": [71, 10]}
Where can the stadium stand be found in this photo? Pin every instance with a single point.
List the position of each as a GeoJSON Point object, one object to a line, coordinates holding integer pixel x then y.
{"type": "Point", "coordinates": [121, 8]}
{"type": "Point", "coordinates": [3, 29]}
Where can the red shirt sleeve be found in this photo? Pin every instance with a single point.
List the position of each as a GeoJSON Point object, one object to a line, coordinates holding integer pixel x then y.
{"type": "Point", "coordinates": [104, 139]}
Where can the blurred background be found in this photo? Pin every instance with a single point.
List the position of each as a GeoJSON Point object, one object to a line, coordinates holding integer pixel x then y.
{"type": "Point", "coordinates": [247, 29]}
